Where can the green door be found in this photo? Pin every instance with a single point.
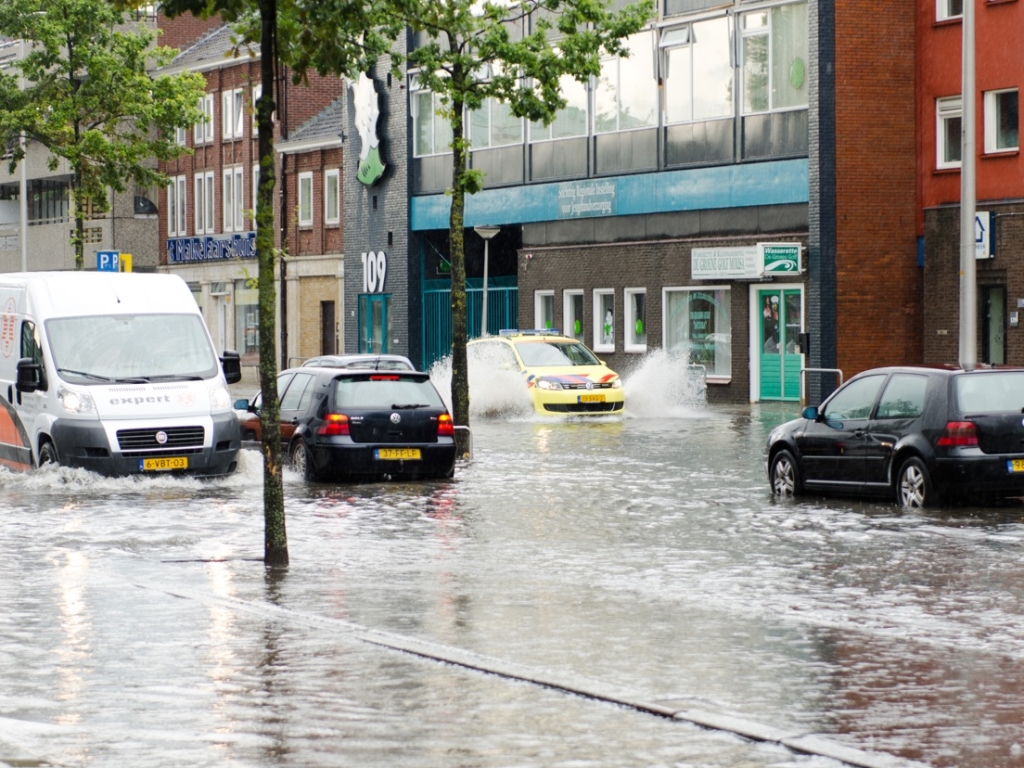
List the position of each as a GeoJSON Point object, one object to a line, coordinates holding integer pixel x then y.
{"type": "Point", "coordinates": [780, 323]}
{"type": "Point", "coordinates": [374, 322]}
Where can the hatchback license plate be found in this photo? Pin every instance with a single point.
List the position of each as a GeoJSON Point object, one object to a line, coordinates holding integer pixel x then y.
{"type": "Point", "coordinates": [591, 398]}
{"type": "Point", "coordinates": [1015, 465]}
{"type": "Point", "coordinates": [163, 464]}
{"type": "Point", "coordinates": [396, 454]}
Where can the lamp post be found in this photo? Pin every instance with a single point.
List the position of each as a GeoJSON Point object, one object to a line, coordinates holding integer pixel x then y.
{"type": "Point", "coordinates": [968, 202]}
{"type": "Point", "coordinates": [486, 233]}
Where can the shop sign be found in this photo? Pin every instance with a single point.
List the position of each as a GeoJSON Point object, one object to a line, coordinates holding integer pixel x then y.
{"type": "Point", "coordinates": [184, 250]}
{"type": "Point", "coordinates": [984, 235]}
{"type": "Point", "coordinates": [578, 199]}
{"type": "Point", "coordinates": [728, 263]}
{"type": "Point", "coordinates": [779, 258]}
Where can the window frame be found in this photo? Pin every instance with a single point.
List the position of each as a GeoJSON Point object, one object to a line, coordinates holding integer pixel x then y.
{"type": "Point", "coordinates": [232, 111]}
{"type": "Point", "coordinates": [742, 34]}
{"type": "Point", "coordinates": [600, 328]}
{"type": "Point", "coordinates": [946, 108]}
{"type": "Point", "coordinates": [943, 10]}
{"type": "Point", "coordinates": [233, 188]}
{"type": "Point", "coordinates": [569, 318]}
{"type": "Point", "coordinates": [630, 337]}
{"type": "Point", "coordinates": [332, 181]}
{"type": "Point", "coordinates": [177, 205]}
{"type": "Point", "coordinates": [993, 112]}
{"type": "Point", "coordinates": [205, 203]}
{"type": "Point", "coordinates": [304, 207]}
{"type": "Point", "coordinates": [720, 296]}
{"type": "Point", "coordinates": [202, 131]}
{"type": "Point", "coordinates": [540, 299]}
{"type": "Point", "coordinates": [624, 86]}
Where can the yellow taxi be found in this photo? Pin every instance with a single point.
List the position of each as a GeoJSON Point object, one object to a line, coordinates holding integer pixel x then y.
{"type": "Point", "coordinates": [562, 375]}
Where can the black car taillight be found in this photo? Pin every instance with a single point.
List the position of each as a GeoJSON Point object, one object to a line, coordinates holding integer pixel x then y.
{"type": "Point", "coordinates": [959, 434]}
{"type": "Point", "coordinates": [445, 426]}
{"type": "Point", "coordinates": [334, 424]}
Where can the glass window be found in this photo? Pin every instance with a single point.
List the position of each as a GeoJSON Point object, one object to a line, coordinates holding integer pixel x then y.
{"type": "Point", "coordinates": [572, 314]}
{"type": "Point", "coordinates": [332, 197]}
{"type": "Point", "coordinates": [999, 392]}
{"type": "Point", "coordinates": [903, 397]}
{"type": "Point", "coordinates": [626, 95]}
{"type": "Point", "coordinates": [1001, 120]}
{"type": "Point", "coordinates": [697, 324]}
{"type": "Point", "coordinates": [204, 201]}
{"type": "Point", "coordinates": [855, 400]}
{"type": "Point", "coordinates": [432, 134]}
{"type": "Point", "coordinates": [636, 320]}
{"type": "Point", "coordinates": [305, 199]}
{"type": "Point", "coordinates": [604, 320]}
{"type": "Point", "coordinates": [299, 392]}
{"type": "Point", "coordinates": [494, 125]}
{"type": "Point", "coordinates": [234, 200]}
{"type": "Point", "coordinates": [202, 132]}
{"type": "Point", "coordinates": [571, 120]}
{"type": "Point", "coordinates": [774, 50]}
{"type": "Point", "coordinates": [247, 329]}
{"type": "Point", "coordinates": [544, 309]}
{"type": "Point", "coordinates": [176, 201]}
{"type": "Point", "coordinates": [948, 9]}
{"type": "Point", "coordinates": [698, 71]}
{"type": "Point", "coordinates": [948, 112]}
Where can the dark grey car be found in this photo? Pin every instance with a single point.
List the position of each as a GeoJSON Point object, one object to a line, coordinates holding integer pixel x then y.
{"type": "Point", "coordinates": [916, 434]}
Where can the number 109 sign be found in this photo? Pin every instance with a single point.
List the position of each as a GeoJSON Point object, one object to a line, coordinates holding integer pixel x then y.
{"type": "Point", "coordinates": [375, 267]}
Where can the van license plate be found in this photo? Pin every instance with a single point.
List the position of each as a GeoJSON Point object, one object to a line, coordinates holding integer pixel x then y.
{"type": "Point", "coordinates": [1015, 465]}
{"type": "Point", "coordinates": [163, 464]}
{"type": "Point", "coordinates": [397, 454]}
{"type": "Point", "coordinates": [591, 398]}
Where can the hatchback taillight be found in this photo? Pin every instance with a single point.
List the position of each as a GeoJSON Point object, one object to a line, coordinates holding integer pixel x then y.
{"type": "Point", "coordinates": [334, 424]}
{"type": "Point", "coordinates": [445, 427]}
{"type": "Point", "coordinates": [959, 434]}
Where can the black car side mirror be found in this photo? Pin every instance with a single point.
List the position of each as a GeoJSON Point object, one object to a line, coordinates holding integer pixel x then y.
{"type": "Point", "coordinates": [811, 412]}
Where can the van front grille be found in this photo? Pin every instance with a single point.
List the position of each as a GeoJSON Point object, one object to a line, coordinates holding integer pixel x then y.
{"type": "Point", "coordinates": [145, 440]}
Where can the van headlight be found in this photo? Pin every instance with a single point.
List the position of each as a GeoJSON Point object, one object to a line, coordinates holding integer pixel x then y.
{"type": "Point", "coordinates": [220, 398]}
{"type": "Point", "coordinates": [76, 402]}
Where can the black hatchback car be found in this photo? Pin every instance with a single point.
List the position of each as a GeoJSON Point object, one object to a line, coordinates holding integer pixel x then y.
{"type": "Point", "coordinates": [364, 424]}
{"type": "Point", "coordinates": [915, 434]}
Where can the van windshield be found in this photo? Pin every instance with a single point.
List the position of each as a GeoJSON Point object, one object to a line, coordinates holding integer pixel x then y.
{"type": "Point", "coordinates": [131, 348]}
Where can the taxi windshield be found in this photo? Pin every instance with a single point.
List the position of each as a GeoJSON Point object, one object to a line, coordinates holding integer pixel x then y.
{"type": "Point", "coordinates": [555, 353]}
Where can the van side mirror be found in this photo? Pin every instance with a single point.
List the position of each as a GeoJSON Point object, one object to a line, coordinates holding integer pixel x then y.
{"type": "Point", "coordinates": [231, 363]}
{"type": "Point", "coordinates": [30, 376]}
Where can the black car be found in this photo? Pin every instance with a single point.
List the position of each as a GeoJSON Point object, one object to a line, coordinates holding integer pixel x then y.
{"type": "Point", "coordinates": [916, 434]}
{"type": "Point", "coordinates": [365, 424]}
{"type": "Point", "coordinates": [378, 362]}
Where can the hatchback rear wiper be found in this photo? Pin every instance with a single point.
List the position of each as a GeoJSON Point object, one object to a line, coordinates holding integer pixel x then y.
{"type": "Point", "coordinates": [409, 406]}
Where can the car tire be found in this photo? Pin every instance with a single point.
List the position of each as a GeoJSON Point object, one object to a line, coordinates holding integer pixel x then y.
{"type": "Point", "coordinates": [784, 475]}
{"type": "Point", "coordinates": [914, 488]}
{"type": "Point", "coordinates": [47, 454]}
{"type": "Point", "coordinates": [301, 461]}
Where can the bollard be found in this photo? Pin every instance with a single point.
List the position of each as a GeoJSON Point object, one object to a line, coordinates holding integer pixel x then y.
{"type": "Point", "coordinates": [463, 442]}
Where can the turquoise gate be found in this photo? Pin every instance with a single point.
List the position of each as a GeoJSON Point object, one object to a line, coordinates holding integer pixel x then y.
{"type": "Point", "coordinates": [502, 312]}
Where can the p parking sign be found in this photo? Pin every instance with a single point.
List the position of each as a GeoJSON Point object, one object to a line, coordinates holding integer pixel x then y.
{"type": "Point", "coordinates": [108, 261]}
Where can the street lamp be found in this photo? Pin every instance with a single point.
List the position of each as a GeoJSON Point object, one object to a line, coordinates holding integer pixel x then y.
{"type": "Point", "coordinates": [968, 201]}
{"type": "Point", "coordinates": [486, 233]}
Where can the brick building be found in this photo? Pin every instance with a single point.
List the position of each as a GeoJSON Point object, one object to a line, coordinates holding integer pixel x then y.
{"type": "Point", "coordinates": [999, 71]}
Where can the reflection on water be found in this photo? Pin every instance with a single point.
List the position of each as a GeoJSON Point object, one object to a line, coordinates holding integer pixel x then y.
{"type": "Point", "coordinates": [138, 626]}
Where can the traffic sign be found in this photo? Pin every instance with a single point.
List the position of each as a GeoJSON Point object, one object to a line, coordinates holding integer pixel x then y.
{"type": "Point", "coordinates": [984, 235]}
{"type": "Point", "coordinates": [108, 261]}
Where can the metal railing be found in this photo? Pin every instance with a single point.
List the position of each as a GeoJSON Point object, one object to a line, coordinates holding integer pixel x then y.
{"type": "Point", "coordinates": [803, 397]}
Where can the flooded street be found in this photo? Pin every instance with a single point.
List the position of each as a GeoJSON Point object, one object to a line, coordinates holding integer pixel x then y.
{"type": "Point", "coordinates": [639, 559]}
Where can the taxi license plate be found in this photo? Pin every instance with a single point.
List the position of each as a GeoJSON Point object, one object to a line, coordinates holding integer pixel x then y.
{"type": "Point", "coordinates": [397, 454]}
{"type": "Point", "coordinates": [1015, 465]}
{"type": "Point", "coordinates": [163, 464]}
{"type": "Point", "coordinates": [591, 398]}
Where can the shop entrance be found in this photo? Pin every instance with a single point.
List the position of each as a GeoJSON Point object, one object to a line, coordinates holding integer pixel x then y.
{"type": "Point", "coordinates": [374, 322]}
{"type": "Point", "coordinates": [780, 321]}
{"type": "Point", "coordinates": [993, 321]}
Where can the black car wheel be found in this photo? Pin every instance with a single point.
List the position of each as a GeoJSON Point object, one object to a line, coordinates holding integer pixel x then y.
{"type": "Point", "coordinates": [785, 475]}
{"type": "Point", "coordinates": [914, 489]}
{"type": "Point", "coordinates": [47, 454]}
{"type": "Point", "coordinates": [301, 460]}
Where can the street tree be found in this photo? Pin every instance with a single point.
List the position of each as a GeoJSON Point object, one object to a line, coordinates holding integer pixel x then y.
{"type": "Point", "coordinates": [84, 91]}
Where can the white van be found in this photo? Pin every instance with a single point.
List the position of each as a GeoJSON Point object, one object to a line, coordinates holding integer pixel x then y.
{"type": "Point", "coordinates": [113, 372]}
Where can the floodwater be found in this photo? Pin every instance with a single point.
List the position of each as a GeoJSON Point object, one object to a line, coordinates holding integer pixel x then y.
{"type": "Point", "coordinates": [640, 555]}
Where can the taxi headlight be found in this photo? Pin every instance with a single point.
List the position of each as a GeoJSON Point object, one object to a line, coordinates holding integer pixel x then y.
{"type": "Point", "coordinates": [548, 384]}
{"type": "Point", "coordinates": [76, 402]}
{"type": "Point", "coordinates": [220, 399]}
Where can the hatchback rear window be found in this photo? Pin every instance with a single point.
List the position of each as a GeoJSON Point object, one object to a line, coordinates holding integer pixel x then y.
{"type": "Point", "coordinates": [991, 392]}
{"type": "Point", "coordinates": [385, 392]}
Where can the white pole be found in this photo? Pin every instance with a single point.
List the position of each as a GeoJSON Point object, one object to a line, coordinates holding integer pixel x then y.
{"type": "Point", "coordinates": [483, 313]}
{"type": "Point", "coordinates": [968, 202]}
{"type": "Point", "coordinates": [23, 207]}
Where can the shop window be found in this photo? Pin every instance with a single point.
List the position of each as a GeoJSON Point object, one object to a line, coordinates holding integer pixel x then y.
{"type": "Point", "coordinates": [247, 315]}
{"type": "Point", "coordinates": [948, 114]}
{"type": "Point", "coordinates": [696, 323]}
{"type": "Point", "coordinates": [604, 320]}
{"type": "Point", "coordinates": [774, 65]}
{"type": "Point", "coordinates": [1001, 120]}
{"type": "Point", "coordinates": [572, 314]}
{"type": "Point", "coordinates": [305, 199]}
{"type": "Point", "coordinates": [332, 197]}
{"type": "Point", "coordinates": [544, 309]}
{"type": "Point", "coordinates": [697, 70]}
{"type": "Point", "coordinates": [635, 311]}
{"type": "Point", "coordinates": [626, 96]}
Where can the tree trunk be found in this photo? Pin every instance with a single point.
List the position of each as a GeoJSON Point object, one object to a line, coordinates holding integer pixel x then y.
{"type": "Point", "coordinates": [275, 541]}
{"type": "Point", "coordinates": [460, 372]}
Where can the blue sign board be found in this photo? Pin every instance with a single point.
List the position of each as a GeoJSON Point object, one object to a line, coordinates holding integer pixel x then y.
{"type": "Point", "coordinates": [108, 261]}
